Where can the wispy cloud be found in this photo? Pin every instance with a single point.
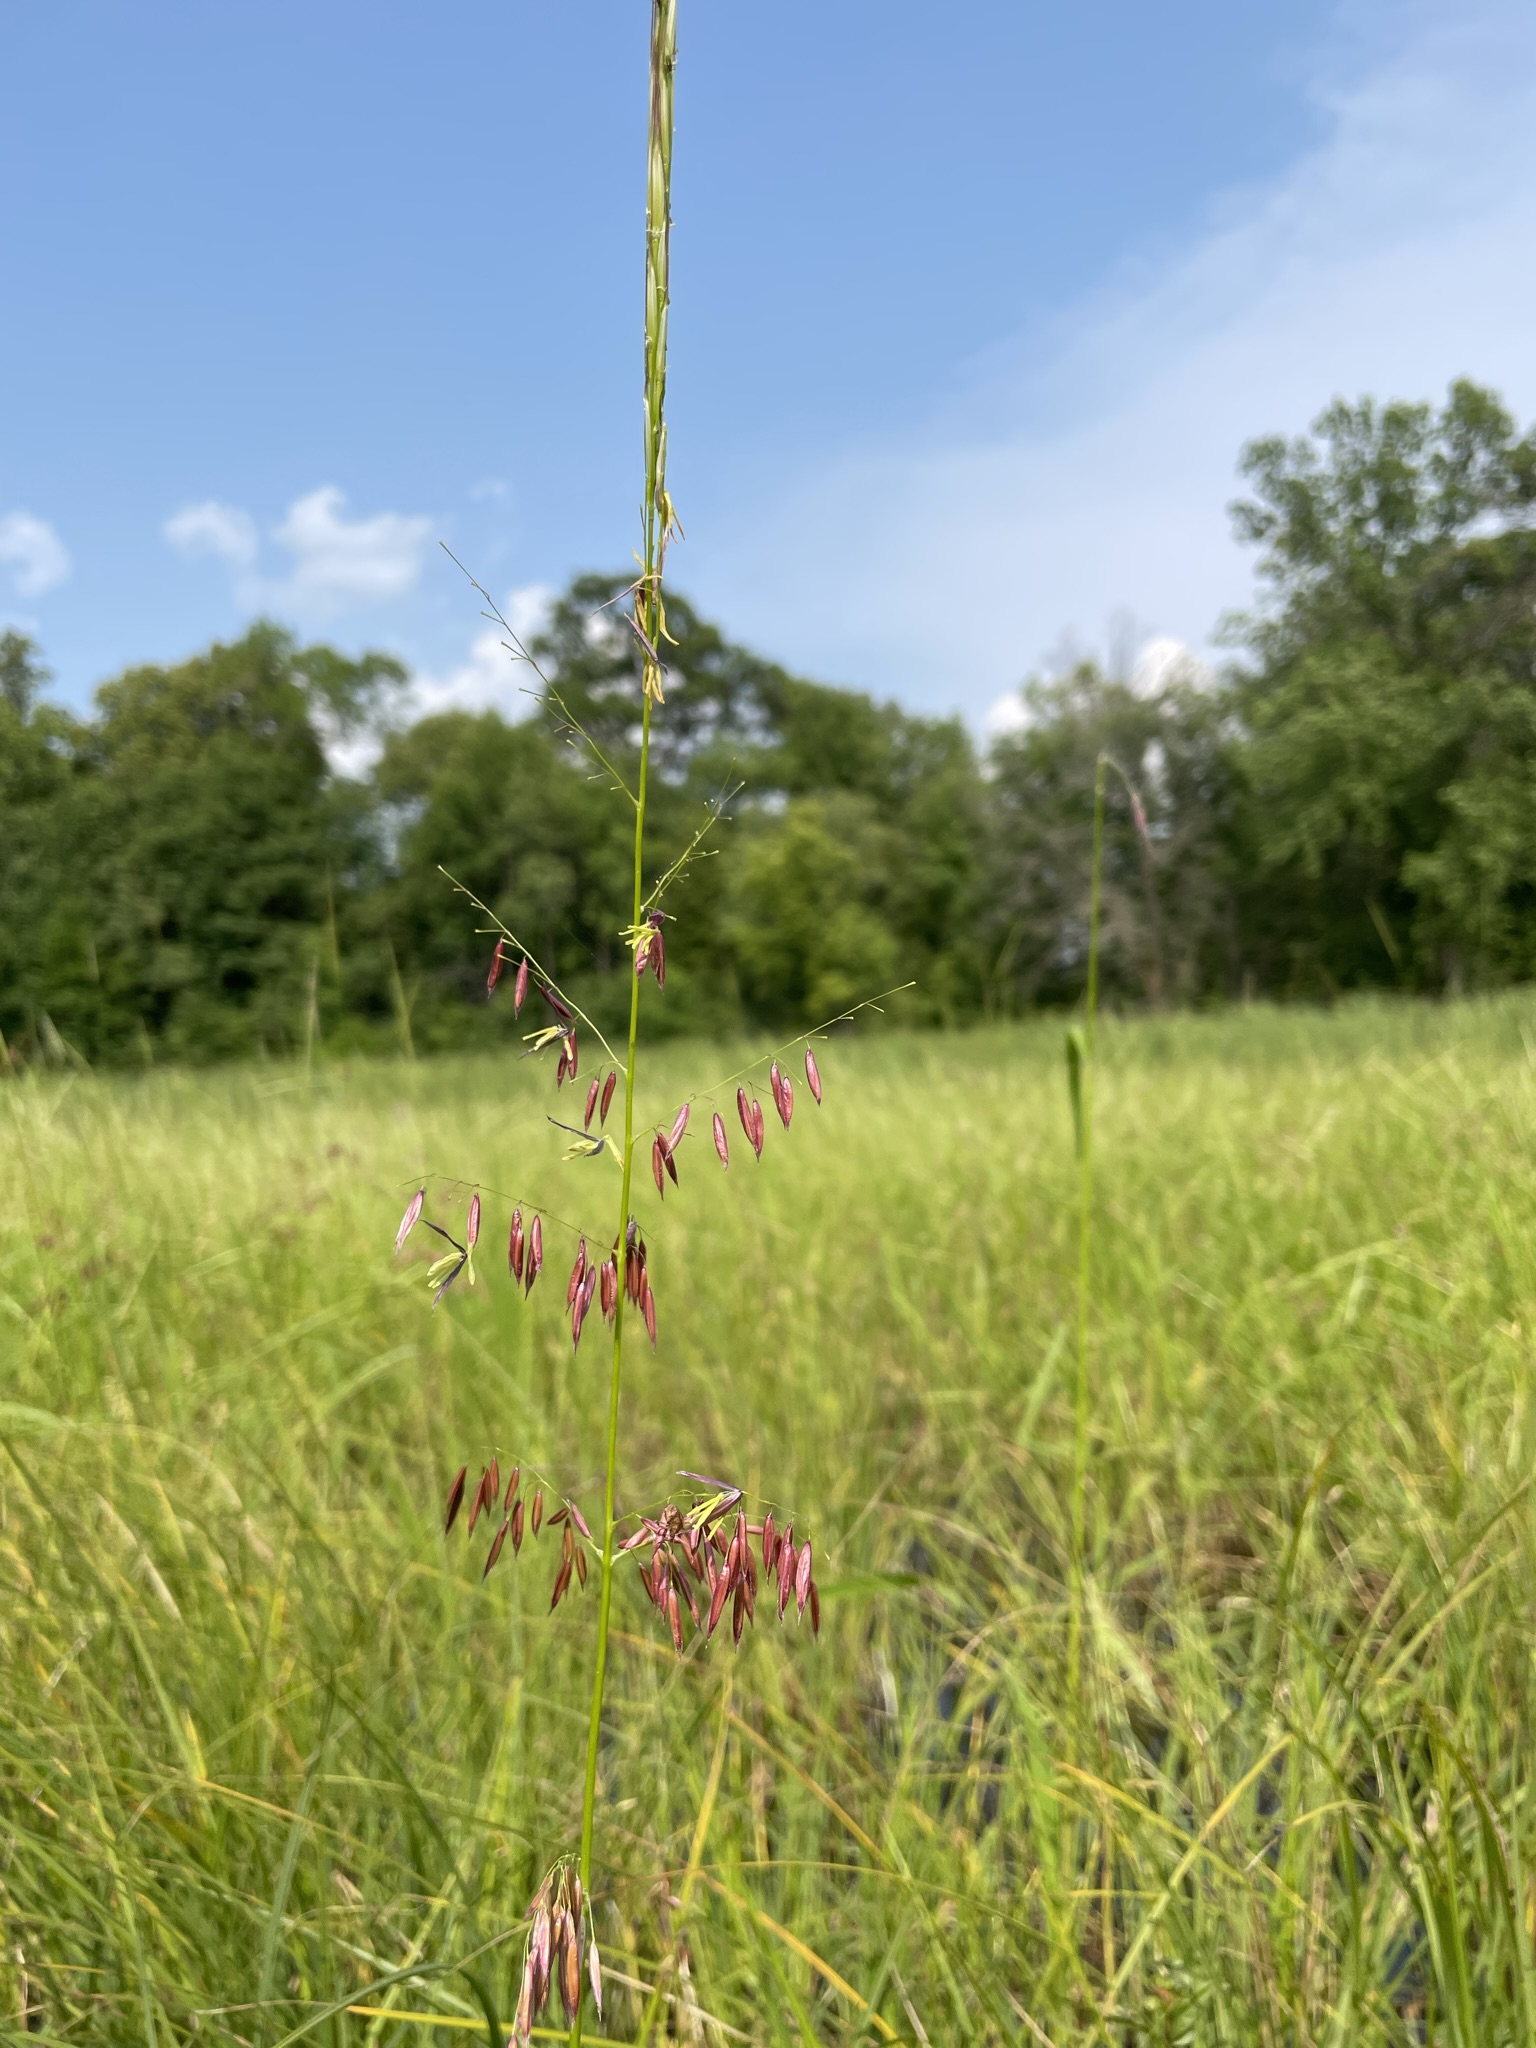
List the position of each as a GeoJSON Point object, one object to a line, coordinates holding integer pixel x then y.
{"type": "Point", "coordinates": [339, 561]}
{"type": "Point", "coordinates": [1077, 475]}
{"type": "Point", "coordinates": [490, 679]}
{"type": "Point", "coordinates": [33, 553]}
{"type": "Point", "coordinates": [213, 529]}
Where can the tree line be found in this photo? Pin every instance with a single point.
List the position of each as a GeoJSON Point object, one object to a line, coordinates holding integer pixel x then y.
{"type": "Point", "coordinates": [1351, 803]}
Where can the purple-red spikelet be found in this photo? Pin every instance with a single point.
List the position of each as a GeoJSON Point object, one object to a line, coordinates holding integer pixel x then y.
{"type": "Point", "coordinates": [658, 1166]}
{"type": "Point", "coordinates": [609, 1286]}
{"type": "Point", "coordinates": [578, 1273]}
{"type": "Point", "coordinates": [586, 1122]}
{"type": "Point", "coordinates": [786, 1099]}
{"type": "Point", "coordinates": [495, 974]}
{"type": "Point", "coordinates": [515, 1246]}
{"type": "Point", "coordinates": [1139, 814]}
{"type": "Point", "coordinates": [472, 1227]}
{"type": "Point", "coordinates": [511, 1492]}
{"type": "Point", "coordinates": [744, 1111]}
{"type": "Point", "coordinates": [455, 1499]}
{"type": "Point", "coordinates": [721, 1146]}
{"type": "Point", "coordinates": [520, 988]}
{"type": "Point", "coordinates": [813, 1076]}
{"type": "Point", "coordinates": [535, 1259]}
{"type": "Point", "coordinates": [757, 1127]}
{"type": "Point", "coordinates": [493, 1484]}
{"type": "Point", "coordinates": [536, 1518]}
{"type": "Point", "coordinates": [410, 1219]}
{"type": "Point", "coordinates": [776, 1084]}
{"type": "Point", "coordinates": [648, 1310]}
{"type": "Point", "coordinates": [768, 1549]}
{"type": "Point", "coordinates": [496, 1542]}
{"type": "Point", "coordinates": [679, 1125]}
{"type": "Point", "coordinates": [608, 1087]}
{"type": "Point", "coordinates": [477, 1504]}
{"type": "Point", "coordinates": [803, 1576]}
{"type": "Point", "coordinates": [517, 1526]}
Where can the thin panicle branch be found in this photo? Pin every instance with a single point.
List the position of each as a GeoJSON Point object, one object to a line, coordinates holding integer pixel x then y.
{"type": "Point", "coordinates": [551, 986]}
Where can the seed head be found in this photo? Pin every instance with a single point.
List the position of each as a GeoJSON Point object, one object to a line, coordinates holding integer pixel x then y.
{"type": "Point", "coordinates": [477, 1503]}
{"type": "Point", "coordinates": [721, 1146]}
{"type": "Point", "coordinates": [535, 1260]}
{"type": "Point", "coordinates": [608, 1284]}
{"type": "Point", "coordinates": [515, 1246]}
{"type": "Point", "coordinates": [511, 1492]}
{"type": "Point", "coordinates": [517, 1526]}
{"type": "Point", "coordinates": [679, 1125]}
{"type": "Point", "coordinates": [496, 1542]}
{"type": "Point", "coordinates": [409, 1220]}
{"type": "Point", "coordinates": [455, 1499]}
{"type": "Point", "coordinates": [591, 1102]}
{"type": "Point", "coordinates": [537, 1517]}
{"type": "Point", "coordinates": [785, 1100]}
{"type": "Point", "coordinates": [768, 1545]}
{"type": "Point", "coordinates": [744, 1111]}
{"type": "Point", "coordinates": [520, 988]}
{"type": "Point", "coordinates": [776, 1083]}
{"type": "Point", "coordinates": [648, 1310]}
{"type": "Point", "coordinates": [658, 1165]}
{"type": "Point", "coordinates": [472, 1227]}
{"type": "Point", "coordinates": [493, 1483]}
{"type": "Point", "coordinates": [757, 1127]}
{"type": "Point", "coordinates": [578, 1273]}
{"type": "Point", "coordinates": [608, 1088]}
{"type": "Point", "coordinates": [595, 1976]}
{"type": "Point", "coordinates": [803, 1577]}
{"type": "Point", "coordinates": [813, 1075]}
{"type": "Point", "coordinates": [495, 974]}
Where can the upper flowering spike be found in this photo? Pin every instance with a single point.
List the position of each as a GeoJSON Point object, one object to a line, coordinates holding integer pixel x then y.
{"type": "Point", "coordinates": [515, 1245]}
{"type": "Point", "coordinates": [472, 1227]}
{"type": "Point", "coordinates": [497, 959]}
{"type": "Point", "coordinates": [721, 1147]}
{"type": "Point", "coordinates": [608, 1088]}
{"type": "Point", "coordinates": [410, 1219]}
{"type": "Point", "coordinates": [813, 1075]}
{"type": "Point", "coordinates": [520, 988]}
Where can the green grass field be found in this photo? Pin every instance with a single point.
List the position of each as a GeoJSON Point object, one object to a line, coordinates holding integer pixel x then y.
{"type": "Point", "coordinates": [269, 1750]}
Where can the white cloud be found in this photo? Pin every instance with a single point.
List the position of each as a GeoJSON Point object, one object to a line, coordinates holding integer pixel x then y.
{"type": "Point", "coordinates": [213, 529]}
{"type": "Point", "coordinates": [492, 678]}
{"type": "Point", "coordinates": [340, 561]}
{"type": "Point", "coordinates": [33, 552]}
{"type": "Point", "coordinates": [1074, 478]}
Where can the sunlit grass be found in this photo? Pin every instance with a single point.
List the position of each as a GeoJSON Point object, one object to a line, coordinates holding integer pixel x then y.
{"type": "Point", "coordinates": [266, 1743]}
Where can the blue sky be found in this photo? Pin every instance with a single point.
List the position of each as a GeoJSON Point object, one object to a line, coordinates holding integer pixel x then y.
{"type": "Point", "coordinates": [974, 308]}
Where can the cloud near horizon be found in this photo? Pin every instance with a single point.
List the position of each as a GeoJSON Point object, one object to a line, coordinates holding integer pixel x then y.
{"type": "Point", "coordinates": [1085, 474]}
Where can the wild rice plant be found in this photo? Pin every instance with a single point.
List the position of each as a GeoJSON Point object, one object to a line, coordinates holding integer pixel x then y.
{"type": "Point", "coordinates": [698, 1559]}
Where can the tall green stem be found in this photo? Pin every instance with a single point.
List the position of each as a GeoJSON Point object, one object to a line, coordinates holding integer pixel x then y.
{"type": "Point", "coordinates": [1085, 1254]}
{"type": "Point", "coordinates": [651, 620]}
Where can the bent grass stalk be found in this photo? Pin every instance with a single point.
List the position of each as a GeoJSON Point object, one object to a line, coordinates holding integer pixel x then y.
{"type": "Point", "coordinates": [1080, 1061]}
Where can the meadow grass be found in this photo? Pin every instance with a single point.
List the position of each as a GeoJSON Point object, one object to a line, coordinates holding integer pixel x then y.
{"type": "Point", "coordinates": [275, 1765]}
